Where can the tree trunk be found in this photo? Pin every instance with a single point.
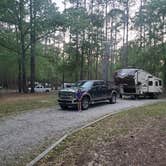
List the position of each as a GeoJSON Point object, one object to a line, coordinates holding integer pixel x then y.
{"type": "Point", "coordinates": [32, 43]}
{"type": "Point", "coordinates": [123, 48]}
{"type": "Point", "coordinates": [19, 62]}
{"type": "Point", "coordinates": [88, 58]}
{"type": "Point", "coordinates": [97, 61]}
{"type": "Point", "coordinates": [77, 50]}
{"type": "Point", "coordinates": [23, 55]}
{"type": "Point", "coordinates": [77, 58]}
{"type": "Point", "coordinates": [106, 52]}
{"type": "Point", "coordinates": [82, 50]}
{"type": "Point", "coordinates": [141, 26]}
{"type": "Point", "coordinates": [164, 49]}
{"type": "Point", "coordinates": [82, 60]}
{"type": "Point", "coordinates": [63, 56]}
{"type": "Point", "coordinates": [127, 34]}
{"type": "Point", "coordinates": [112, 43]}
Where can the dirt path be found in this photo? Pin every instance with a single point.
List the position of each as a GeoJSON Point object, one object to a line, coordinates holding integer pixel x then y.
{"type": "Point", "coordinates": [22, 136]}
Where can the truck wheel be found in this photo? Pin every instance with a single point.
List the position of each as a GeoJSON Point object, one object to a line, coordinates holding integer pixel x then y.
{"type": "Point", "coordinates": [85, 103]}
{"type": "Point", "coordinates": [63, 107]}
{"type": "Point", "coordinates": [47, 91]}
{"type": "Point", "coordinates": [113, 99]}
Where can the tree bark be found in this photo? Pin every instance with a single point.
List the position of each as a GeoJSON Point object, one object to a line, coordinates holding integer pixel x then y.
{"type": "Point", "coordinates": [23, 55]}
{"type": "Point", "coordinates": [141, 26]}
{"type": "Point", "coordinates": [106, 52]}
{"type": "Point", "coordinates": [63, 59]}
{"type": "Point", "coordinates": [127, 34]}
{"type": "Point", "coordinates": [32, 43]}
{"type": "Point", "coordinates": [112, 44]}
{"type": "Point", "coordinates": [82, 50]}
{"type": "Point", "coordinates": [77, 49]}
{"type": "Point", "coordinates": [19, 61]}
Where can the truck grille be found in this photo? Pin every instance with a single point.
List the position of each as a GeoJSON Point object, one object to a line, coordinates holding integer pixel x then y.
{"type": "Point", "coordinates": [66, 95]}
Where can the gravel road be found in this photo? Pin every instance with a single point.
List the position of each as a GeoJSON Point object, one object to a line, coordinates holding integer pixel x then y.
{"type": "Point", "coordinates": [24, 134]}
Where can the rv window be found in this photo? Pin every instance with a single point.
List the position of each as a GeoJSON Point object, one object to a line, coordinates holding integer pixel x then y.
{"type": "Point", "coordinates": [150, 83]}
{"type": "Point", "coordinates": [160, 82]}
{"type": "Point", "coordinates": [156, 83]}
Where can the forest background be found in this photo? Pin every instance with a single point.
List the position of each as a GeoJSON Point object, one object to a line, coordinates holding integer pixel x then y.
{"type": "Point", "coordinates": [89, 39]}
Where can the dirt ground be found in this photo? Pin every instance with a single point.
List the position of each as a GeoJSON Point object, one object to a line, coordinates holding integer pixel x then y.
{"type": "Point", "coordinates": [25, 134]}
{"type": "Point", "coordinates": [13, 97]}
{"type": "Point", "coordinates": [146, 147]}
{"type": "Point", "coordinates": [137, 138]}
{"type": "Point", "coordinates": [14, 103]}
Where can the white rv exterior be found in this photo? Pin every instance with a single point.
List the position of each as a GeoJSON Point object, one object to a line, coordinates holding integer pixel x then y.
{"type": "Point", "coordinates": [144, 83]}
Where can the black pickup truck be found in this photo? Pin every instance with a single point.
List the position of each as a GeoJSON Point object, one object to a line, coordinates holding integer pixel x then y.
{"type": "Point", "coordinates": [92, 91]}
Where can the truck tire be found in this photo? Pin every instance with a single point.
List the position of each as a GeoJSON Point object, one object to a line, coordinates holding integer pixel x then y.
{"type": "Point", "coordinates": [113, 99]}
{"type": "Point", "coordinates": [63, 107]}
{"type": "Point", "coordinates": [85, 102]}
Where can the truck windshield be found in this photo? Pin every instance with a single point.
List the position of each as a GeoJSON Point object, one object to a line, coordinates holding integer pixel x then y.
{"type": "Point", "coordinates": [84, 84]}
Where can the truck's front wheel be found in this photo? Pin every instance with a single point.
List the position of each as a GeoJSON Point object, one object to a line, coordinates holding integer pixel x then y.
{"type": "Point", "coordinates": [85, 103]}
{"type": "Point", "coordinates": [113, 99]}
{"type": "Point", "coordinates": [63, 107]}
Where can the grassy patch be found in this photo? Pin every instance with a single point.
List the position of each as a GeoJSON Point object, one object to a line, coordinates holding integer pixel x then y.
{"type": "Point", "coordinates": [134, 137]}
{"type": "Point", "coordinates": [14, 105]}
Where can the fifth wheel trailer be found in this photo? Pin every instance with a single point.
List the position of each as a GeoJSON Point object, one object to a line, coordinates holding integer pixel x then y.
{"type": "Point", "coordinates": [137, 82]}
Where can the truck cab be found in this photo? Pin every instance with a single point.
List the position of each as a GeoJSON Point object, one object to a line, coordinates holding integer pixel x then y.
{"type": "Point", "coordinates": [92, 92]}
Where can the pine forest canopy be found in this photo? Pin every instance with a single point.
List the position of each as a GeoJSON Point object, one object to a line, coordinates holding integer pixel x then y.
{"type": "Point", "coordinates": [89, 39]}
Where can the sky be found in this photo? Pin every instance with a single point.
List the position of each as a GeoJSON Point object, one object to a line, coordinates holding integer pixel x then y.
{"type": "Point", "coordinates": [59, 4]}
{"type": "Point", "coordinates": [133, 9]}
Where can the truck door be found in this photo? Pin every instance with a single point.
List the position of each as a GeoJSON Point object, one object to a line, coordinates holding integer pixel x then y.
{"type": "Point", "coordinates": [97, 90]}
{"type": "Point", "coordinates": [37, 88]}
{"type": "Point", "coordinates": [94, 91]}
{"type": "Point", "coordinates": [101, 90]}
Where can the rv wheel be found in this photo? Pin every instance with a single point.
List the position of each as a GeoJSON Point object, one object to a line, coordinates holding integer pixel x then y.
{"type": "Point", "coordinates": [153, 96]}
{"type": "Point", "coordinates": [136, 97]}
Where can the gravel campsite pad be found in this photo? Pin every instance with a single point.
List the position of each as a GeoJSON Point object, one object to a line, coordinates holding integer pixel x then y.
{"type": "Point", "coordinates": [26, 135]}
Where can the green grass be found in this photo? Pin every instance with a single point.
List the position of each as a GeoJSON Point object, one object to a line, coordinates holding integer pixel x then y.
{"type": "Point", "coordinates": [18, 106]}
{"type": "Point", "coordinates": [75, 147]}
